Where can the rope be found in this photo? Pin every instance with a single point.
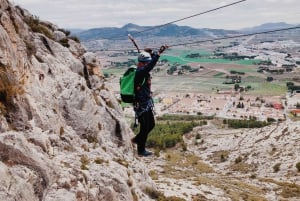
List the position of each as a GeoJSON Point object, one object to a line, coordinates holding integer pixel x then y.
{"type": "Point", "coordinates": [239, 36]}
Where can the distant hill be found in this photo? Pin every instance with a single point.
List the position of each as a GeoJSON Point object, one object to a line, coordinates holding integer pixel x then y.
{"type": "Point", "coordinates": [170, 30]}
{"type": "Point", "coordinates": [267, 27]}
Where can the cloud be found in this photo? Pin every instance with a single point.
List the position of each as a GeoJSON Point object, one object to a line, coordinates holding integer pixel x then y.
{"type": "Point", "coordinates": [103, 13]}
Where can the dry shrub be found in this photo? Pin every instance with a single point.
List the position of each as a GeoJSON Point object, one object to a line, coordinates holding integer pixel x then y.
{"type": "Point", "coordinates": [290, 190]}
{"type": "Point", "coordinates": [30, 47]}
{"type": "Point", "coordinates": [220, 156]}
{"type": "Point", "coordinates": [84, 162]}
{"type": "Point", "coordinates": [157, 195]}
{"type": "Point", "coordinates": [134, 195]}
{"type": "Point", "coordinates": [36, 26]}
{"type": "Point", "coordinates": [2, 109]}
{"type": "Point", "coordinates": [276, 167]}
{"type": "Point", "coordinates": [9, 88]}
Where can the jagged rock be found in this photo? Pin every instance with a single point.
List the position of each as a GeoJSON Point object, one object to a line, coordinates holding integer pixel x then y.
{"type": "Point", "coordinates": [93, 64]}
{"type": "Point", "coordinates": [59, 35]}
{"type": "Point", "coordinates": [3, 4]}
{"type": "Point", "coordinates": [63, 134]}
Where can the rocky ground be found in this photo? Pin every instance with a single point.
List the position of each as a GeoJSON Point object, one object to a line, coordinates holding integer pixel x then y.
{"type": "Point", "coordinates": [225, 164]}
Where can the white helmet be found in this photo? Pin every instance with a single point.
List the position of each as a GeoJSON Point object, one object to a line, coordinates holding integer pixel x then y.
{"type": "Point", "coordinates": [144, 57]}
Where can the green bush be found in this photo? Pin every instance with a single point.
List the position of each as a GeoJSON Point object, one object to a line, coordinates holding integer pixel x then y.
{"type": "Point", "coordinates": [238, 160]}
{"type": "Point", "coordinates": [75, 38]}
{"type": "Point", "coordinates": [99, 160]}
{"type": "Point", "coordinates": [67, 32]}
{"type": "Point", "coordinates": [276, 167]}
{"type": "Point", "coordinates": [170, 128]}
{"type": "Point", "coordinates": [298, 166]}
{"type": "Point", "coordinates": [270, 120]}
{"type": "Point", "coordinates": [198, 136]}
{"type": "Point", "coordinates": [64, 42]}
{"type": "Point", "coordinates": [159, 196]}
{"type": "Point", "coordinates": [167, 135]}
{"type": "Point", "coordinates": [252, 123]}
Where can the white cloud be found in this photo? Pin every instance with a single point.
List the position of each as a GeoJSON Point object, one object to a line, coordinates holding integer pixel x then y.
{"type": "Point", "coordinates": [103, 13]}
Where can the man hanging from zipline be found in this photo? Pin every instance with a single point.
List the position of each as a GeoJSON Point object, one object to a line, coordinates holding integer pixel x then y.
{"type": "Point", "coordinates": [143, 105]}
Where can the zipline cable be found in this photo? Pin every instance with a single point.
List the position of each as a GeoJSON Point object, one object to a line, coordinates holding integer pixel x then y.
{"type": "Point", "coordinates": [168, 23]}
{"type": "Point", "coordinates": [238, 36]}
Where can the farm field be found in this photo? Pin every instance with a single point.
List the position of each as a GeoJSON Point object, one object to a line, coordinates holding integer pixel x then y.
{"type": "Point", "coordinates": [184, 60]}
{"type": "Point", "coordinates": [204, 82]}
{"type": "Point", "coordinates": [210, 77]}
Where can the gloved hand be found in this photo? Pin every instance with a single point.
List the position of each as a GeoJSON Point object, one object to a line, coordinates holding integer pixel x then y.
{"type": "Point", "coordinates": [162, 49]}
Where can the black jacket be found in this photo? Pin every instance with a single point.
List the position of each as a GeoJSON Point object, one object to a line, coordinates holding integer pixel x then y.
{"type": "Point", "coordinates": [142, 81]}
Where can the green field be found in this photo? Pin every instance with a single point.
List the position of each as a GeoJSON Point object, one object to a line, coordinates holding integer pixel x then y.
{"type": "Point", "coordinates": [183, 60]}
{"type": "Point", "coordinates": [267, 88]}
{"type": "Point", "coordinates": [179, 56]}
{"type": "Point", "coordinates": [206, 84]}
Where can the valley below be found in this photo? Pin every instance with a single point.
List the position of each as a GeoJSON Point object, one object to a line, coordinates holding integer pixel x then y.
{"type": "Point", "coordinates": [215, 161]}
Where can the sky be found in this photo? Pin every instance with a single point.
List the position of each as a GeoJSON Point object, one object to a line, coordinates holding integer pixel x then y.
{"type": "Point", "coordinates": [87, 14]}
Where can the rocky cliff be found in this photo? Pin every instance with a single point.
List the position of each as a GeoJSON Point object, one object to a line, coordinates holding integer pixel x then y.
{"type": "Point", "coordinates": [63, 135]}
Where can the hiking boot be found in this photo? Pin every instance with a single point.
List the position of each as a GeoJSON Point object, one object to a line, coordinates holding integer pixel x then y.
{"type": "Point", "coordinates": [145, 153]}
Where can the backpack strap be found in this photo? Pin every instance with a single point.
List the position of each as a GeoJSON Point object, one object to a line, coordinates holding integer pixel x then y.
{"type": "Point", "coordinates": [140, 85]}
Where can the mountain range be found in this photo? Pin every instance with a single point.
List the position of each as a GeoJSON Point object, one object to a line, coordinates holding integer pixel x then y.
{"type": "Point", "coordinates": [268, 27]}
{"type": "Point", "coordinates": [170, 30]}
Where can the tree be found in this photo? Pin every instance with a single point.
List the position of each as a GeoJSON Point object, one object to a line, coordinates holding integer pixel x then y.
{"type": "Point", "coordinates": [269, 62]}
{"type": "Point", "coordinates": [172, 70]}
{"type": "Point", "coordinates": [290, 84]}
{"type": "Point", "coordinates": [106, 75]}
{"type": "Point", "coordinates": [236, 87]}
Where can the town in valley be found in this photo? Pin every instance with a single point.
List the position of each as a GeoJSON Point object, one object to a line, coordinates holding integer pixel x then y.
{"type": "Point", "coordinates": [255, 77]}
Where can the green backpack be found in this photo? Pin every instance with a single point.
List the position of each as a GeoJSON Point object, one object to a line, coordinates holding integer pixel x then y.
{"type": "Point", "coordinates": [127, 85]}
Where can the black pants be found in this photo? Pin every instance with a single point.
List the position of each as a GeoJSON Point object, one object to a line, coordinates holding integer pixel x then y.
{"type": "Point", "coordinates": [147, 123]}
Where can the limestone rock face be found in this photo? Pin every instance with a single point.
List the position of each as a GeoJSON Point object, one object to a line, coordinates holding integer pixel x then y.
{"type": "Point", "coordinates": [62, 133]}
